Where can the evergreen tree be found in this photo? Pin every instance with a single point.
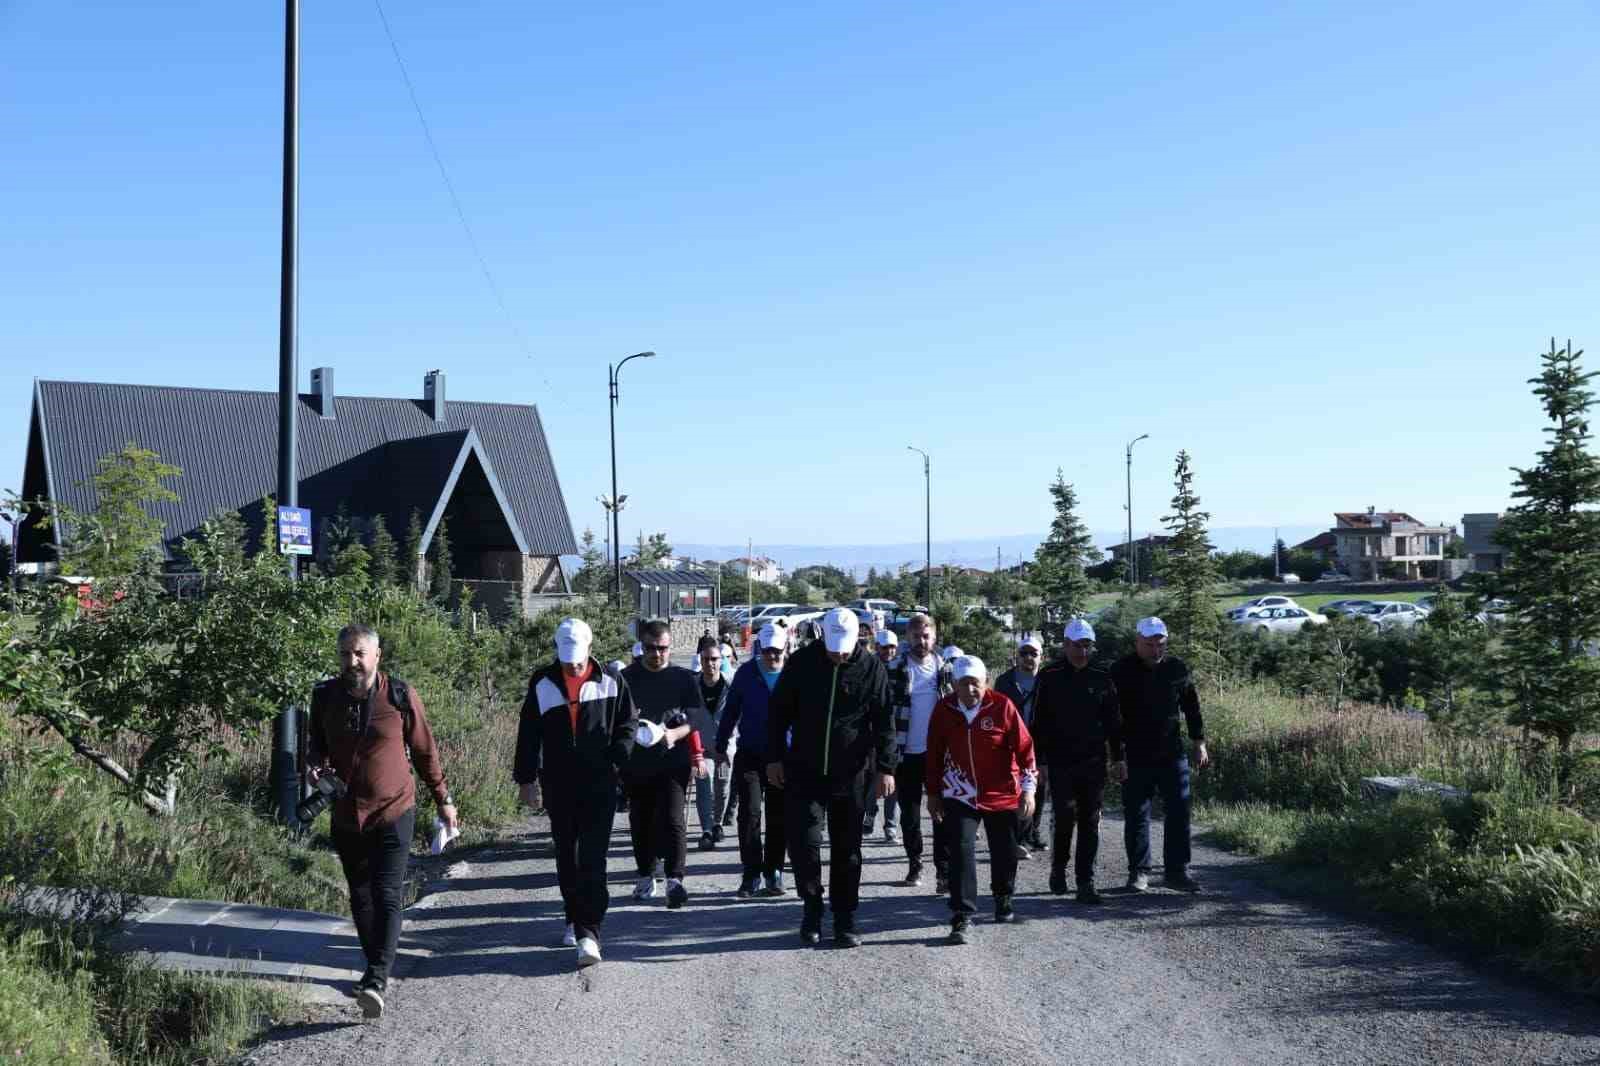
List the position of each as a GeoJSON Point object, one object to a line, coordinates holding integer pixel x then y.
{"type": "Point", "coordinates": [338, 533]}
{"type": "Point", "coordinates": [1448, 653]}
{"type": "Point", "coordinates": [440, 566]}
{"type": "Point", "coordinates": [1189, 572]}
{"type": "Point", "coordinates": [649, 553]}
{"type": "Point", "coordinates": [411, 554]}
{"type": "Point", "coordinates": [353, 561]}
{"type": "Point", "coordinates": [1552, 570]}
{"type": "Point", "coordinates": [382, 562]}
{"type": "Point", "coordinates": [113, 541]}
{"type": "Point", "coordinates": [591, 576]}
{"type": "Point", "coordinates": [1060, 561]}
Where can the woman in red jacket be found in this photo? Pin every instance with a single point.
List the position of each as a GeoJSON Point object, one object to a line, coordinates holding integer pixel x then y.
{"type": "Point", "coordinates": [980, 769]}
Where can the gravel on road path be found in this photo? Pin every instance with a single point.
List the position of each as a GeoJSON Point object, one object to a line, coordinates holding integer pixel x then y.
{"type": "Point", "coordinates": [1238, 974]}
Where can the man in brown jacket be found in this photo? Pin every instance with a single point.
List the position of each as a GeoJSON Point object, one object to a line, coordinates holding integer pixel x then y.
{"type": "Point", "coordinates": [362, 725]}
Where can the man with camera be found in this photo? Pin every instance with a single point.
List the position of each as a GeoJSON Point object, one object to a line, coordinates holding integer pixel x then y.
{"type": "Point", "coordinates": [367, 730]}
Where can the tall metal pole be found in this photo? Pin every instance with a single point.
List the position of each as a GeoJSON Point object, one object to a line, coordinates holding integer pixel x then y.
{"type": "Point", "coordinates": [613, 375]}
{"type": "Point", "coordinates": [1133, 555]}
{"type": "Point", "coordinates": [285, 770]}
{"type": "Point", "coordinates": [927, 498]}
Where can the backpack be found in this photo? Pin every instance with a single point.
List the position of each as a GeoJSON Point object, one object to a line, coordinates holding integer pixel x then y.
{"type": "Point", "coordinates": [400, 696]}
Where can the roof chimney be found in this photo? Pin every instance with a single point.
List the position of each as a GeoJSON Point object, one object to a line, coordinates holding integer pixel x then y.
{"type": "Point", "coordinates": [433, 393]}
{"type": "Point", "coordinates": [322, 390]}
{"type": "Point", "coordinates": [1371, 509]}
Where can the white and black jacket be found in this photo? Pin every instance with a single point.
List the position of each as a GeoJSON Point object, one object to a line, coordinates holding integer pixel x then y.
{"type": "Point", "coordinates": [549, 750]}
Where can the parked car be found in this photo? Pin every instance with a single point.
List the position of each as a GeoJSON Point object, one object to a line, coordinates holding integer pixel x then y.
{"type": "Point", "coordinates": [1236, 613]}
{"type": "Point", "coordinates": [1346, 606]}
{"type": "Point", "coordinates": [1333, 575]}
{"type": "Point", "coordinates": [762, 613]}
{"type": "Point", "coordinates": [1494, 612]}
{"type": "Point", "coordinates": [1280, 619]}
{"type": "Point", "coordinates": [1290, 579]}
{"type": "Point", "coordinates": [1004, 615]}
{"type": "Point", "coordinates": [1393, 614]}
{"type": "Point", "coordinates": [886, 606]}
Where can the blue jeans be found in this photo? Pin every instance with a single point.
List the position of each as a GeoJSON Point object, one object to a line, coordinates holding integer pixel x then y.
{"type": "Point", "coordinates": [1171, 779]}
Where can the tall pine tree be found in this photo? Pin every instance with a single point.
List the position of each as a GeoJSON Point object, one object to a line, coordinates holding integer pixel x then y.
{"type": "Point", "coordinates": [591, 576]}
{"type": "Point", "coordinates": [382, 562]}
{"type": "Point", "coordinates": [1059, 562]}
{"type": "Point", "coordinates": [1552, 570]}
{"type": "Point", "coordinates": [411, 554]}
{"type": "Point", "coordinates": [1190, 572]}
{"type": "Point", "coordinates": [441, 564]}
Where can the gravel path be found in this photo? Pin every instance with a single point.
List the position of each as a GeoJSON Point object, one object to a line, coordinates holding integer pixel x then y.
{"type": "Point", "coordinates": [1238, 975]}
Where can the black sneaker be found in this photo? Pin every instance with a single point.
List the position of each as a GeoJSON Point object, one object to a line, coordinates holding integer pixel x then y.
{"type": "Point", "coordinates": [844, 931]}
{"type": "Point", "coordinates": [1138, 882]}
{"type": "Point", "coordinates": [1003, 912]}
{"type": "Point", "coordinates": [1183, 883]}
{"type": "Point", "coordinates": [369, 997]}
{"type": "Point", "coordinates": [1036, 842]}
{"type": "Point", "coordinates": [913, 878]}
{"type": "Point", "coordinates": [677, 895]}
{"type": "Point", "coordinates": [748, 886]}
{"type": "Point", "coordinates": [1058, 882]}
{"type": "Point", "coordinates": [941, 885]}
{"type": "Point", "coordinates": [1087, 894]}
{"type": "Point", "coordinates": [960, 931]}
{"type": "Point", "coordinates": [707, 842]}
{"type": "Point", "coordinates": [717, 834]}
{"type": "Point", "coordinates": [1022, 853]}
{"type": "Point", "coordinates": [811, 923]}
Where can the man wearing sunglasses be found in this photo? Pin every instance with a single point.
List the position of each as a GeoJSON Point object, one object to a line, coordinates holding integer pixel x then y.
{"type": "Point", "coordinates": [657, 775]}
{"type": "Point", "coordinates": [1019, 685]}
{"type": "Point", "coordinates": [745, 716]}
{"type": "Point", "coordinates": [1076, 719]}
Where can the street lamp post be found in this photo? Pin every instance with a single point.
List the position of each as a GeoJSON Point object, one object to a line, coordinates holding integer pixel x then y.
{"type": "Point", "coordinates": [612, 374]}
{"type": "Point", "coordinates": [927, 498]}
{"type": "Point", "coordinates": [1133, 557]}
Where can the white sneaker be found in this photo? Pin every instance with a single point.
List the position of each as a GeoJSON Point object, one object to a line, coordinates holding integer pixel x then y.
{"type": "Point", "coordinates": [588, 952]}
{"type": "Point", "coordinates": [645, 889]}
{"type": "Point", "coordinates": [569, 939]}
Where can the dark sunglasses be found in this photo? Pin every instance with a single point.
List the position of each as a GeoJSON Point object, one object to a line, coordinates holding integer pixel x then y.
{"type": "Point", "coordinates": [659, 648]}
{"type": "Point", "coordinates": [1032, 653]}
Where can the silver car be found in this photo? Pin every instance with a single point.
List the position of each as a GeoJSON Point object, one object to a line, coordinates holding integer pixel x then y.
{"type": "Point", "coordinates": [1236, 613]}
{"type": "Point", "coordinates": [1393, 614]}
{"type": "Point", "coordinates": [1280, 619]}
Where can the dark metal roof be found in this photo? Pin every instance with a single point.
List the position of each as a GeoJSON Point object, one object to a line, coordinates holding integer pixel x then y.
{"type": "Point", "coordinates": [380, 456]}
{"type": "Point", "coordinates": [671, 577]}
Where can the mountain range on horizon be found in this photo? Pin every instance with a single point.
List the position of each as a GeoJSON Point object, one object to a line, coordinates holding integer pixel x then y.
{"type": "Point", "coordinates": [978, 553]}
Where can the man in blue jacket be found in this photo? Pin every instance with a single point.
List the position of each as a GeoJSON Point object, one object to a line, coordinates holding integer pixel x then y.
{"type": "Point", "coordinates": [746, 712]}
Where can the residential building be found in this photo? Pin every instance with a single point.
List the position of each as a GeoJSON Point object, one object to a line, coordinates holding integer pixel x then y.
{"type": "Point", "coordinates": [1374, 544]}
{"type": "Point", "coordinates": [1477, 533]}
{"type": "Point", "coordinates": [758, 569]}
{"type": "Point", "coordinates": [1323, 547]}
{"type": "Point", "coordinates": [482, 468]}
{"type": "Point", "coordinates": [1145, 551]}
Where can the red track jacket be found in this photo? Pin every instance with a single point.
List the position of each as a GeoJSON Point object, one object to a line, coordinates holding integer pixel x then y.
{"type": "Point", "coordinates": [985, 761]}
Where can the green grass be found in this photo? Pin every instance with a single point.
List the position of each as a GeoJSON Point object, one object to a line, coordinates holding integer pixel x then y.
{"type": "Point", "coordinates": [1513, 873]}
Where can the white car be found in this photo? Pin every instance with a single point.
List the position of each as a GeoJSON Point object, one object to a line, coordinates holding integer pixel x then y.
{"type": "Point", "coordinates": [1393, 614]}
{"type": "Point", "coordinates": [762, 613]}
{"type": "Point", "coordinates": [1280, 619]}
{"type": "Point", "coordinates": [1236, 613]}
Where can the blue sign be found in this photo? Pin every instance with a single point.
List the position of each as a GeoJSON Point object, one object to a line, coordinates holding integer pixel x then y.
{"type": "Point", "coordinates": [294, 530]}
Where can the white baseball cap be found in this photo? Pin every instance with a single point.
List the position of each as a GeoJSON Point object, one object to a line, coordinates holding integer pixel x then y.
{"type": "Point", "coordinates": [886, 638]}
{"type": "Point", "coordinates": [772, 636]}
{"type": "Point", "coordinates": [1152, 627]}
{"type": "Point", "coordinates": [840, 629]}
{"type": "Point", "coordinates": [648, 734]}
{"type": "Point", "coordinates": [950, 652]}
{"type": "Point", "coordinates": [970, 666]}
{"type": "Point", "coordinates": [574, 638]}
{"type": "Point", "coordinates": [1031, 640]}
{"type": "Point", "coordinates": [1078, 629]}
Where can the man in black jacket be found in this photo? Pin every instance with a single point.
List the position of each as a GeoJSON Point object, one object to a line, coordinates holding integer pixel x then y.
{"type": "Point", "coordinates": [1076, 717]}
{"type": "Point", "coordinates": [830, 741]}
{"type": "Point", "coordinates": [1020, 685]}
{"type": "Point", "coordinates": [575, 734]}
{"type": "Point", "coordinates": [1154, 690]}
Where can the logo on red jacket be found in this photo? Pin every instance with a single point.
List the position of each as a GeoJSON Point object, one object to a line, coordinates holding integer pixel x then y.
{"type": "Point", "coordinates": [986, 722]}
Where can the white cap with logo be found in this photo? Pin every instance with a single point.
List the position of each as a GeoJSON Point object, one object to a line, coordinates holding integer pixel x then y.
{"type": "Point", "coordinates": [970, 666]}
{"type": "Point", "coordinates": [1078, 629]}
{"type": "Point", "coordinates": [950, 652]}
{"type": "Point", "coordinates": [574, 638]}
{"type": "Point", "coordinates": [886, 638]}
{"type": "Point", "coordinates": [1031, 640]}
{"type": "Point", "coordinates": [1152, 627]}
{"type": "Point", "coordinates": [840, 629]}
{"type": "Point", "coordinates": [774, 636]}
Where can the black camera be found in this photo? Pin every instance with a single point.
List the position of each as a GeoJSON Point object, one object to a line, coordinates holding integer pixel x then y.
{"type": "Point", "coordinates": [328, 789]}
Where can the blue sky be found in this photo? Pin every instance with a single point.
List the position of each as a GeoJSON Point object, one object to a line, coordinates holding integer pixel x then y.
{"type": "Point", "coordinates": [1319, 247]}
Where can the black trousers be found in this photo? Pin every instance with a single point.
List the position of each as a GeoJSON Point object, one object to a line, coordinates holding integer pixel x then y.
{"type": "Point", "coordinates": [1001, 829]}
{"type": "Point", "coordinates": [1079, 796]}
{"type": "Point", "coordinates": [910, 783]}
{"type": "Point", "coordinates": [1028, 828]}
{"type": "Point", "coordinates": [808, 809]}
{"type": "Point", "coordinates": [657, 823]}
{"type": "Point", "coordinates": [374, 861]}
{"type": "Point", "coordinates": [581, 824]}
{"type": "Point", "coordinates": [755, 794]}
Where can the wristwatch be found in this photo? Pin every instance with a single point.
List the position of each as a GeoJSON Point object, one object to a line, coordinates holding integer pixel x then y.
{"type": "Point", "coordinates": [446, 801]}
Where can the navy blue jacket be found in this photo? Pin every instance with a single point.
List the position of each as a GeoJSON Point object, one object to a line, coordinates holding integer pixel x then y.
{"type": "Point", "coordinates": [746, 710]}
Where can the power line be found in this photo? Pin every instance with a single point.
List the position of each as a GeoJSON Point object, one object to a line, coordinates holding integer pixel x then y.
{"type": "Point", "coordinates": [455, 200]}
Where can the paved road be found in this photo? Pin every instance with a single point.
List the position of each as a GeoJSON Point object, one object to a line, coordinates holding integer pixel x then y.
{"type": "Point", "coordinates": [1238, 975]}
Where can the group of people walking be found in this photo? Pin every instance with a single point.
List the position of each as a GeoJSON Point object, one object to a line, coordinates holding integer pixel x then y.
{"type": "Point", "coordinates": [808, 741]}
